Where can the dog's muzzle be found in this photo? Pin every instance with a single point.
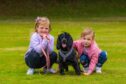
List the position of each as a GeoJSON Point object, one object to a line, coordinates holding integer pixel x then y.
{"type": "Point", "coordinates": [64, 41]}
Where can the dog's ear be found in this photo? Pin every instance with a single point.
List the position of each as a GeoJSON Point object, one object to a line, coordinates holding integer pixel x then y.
{"type": "Point", "coordinates": [70, 41]}
{"type": "Point", "coordinates": [58, 43]}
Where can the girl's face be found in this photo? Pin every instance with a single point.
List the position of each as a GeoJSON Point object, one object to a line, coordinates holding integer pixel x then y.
{"type": "Point", "coordinates": [87, 40]}
{"type": "Point", "coordinates": [43, 29]}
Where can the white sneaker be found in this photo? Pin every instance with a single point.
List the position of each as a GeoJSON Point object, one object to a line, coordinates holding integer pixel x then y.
{"type": "Point", "coordinates": [85, 69]}
{"type": "Point", "coordinates": [51, 70]}
{"type": "Point", "coordinates": [98, 70]}
{"type": "Point", "coordinates": [30, 71]}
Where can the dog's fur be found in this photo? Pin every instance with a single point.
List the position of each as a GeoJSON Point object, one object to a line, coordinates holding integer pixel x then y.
{"type": "Point", "coordinates": [65, 45]}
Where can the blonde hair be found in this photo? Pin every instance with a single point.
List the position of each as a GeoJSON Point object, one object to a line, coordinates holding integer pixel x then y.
{"type": "Point", "coordinates": [88, 31]}
{"type": "Point", "coordinates": [41, 21]}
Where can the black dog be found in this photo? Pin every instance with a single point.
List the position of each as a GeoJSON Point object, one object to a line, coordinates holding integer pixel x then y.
{"type": "Point", "coordinates": [67, 55]}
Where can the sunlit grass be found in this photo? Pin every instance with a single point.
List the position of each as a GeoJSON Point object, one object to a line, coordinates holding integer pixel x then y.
{"type": "Point", "coordinates": [14, 41]}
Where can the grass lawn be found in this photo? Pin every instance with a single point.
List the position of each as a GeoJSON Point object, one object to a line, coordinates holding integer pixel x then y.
{"type": "Point", "coordinates": [14, 41]}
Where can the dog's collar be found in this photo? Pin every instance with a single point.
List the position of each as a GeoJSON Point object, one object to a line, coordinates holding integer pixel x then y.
{"type": "Point", "coordinates": [64, 56]}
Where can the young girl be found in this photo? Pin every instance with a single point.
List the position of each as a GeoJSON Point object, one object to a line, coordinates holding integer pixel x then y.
{"type": "Point", "coordinates": [91, 56]}
{"type": "Point", "coordinates": [40, 52]}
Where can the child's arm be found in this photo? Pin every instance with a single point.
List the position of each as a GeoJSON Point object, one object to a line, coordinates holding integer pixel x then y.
{"type": "Point", "coordinates": [74, 45]}
{"type": "Point", "coordinates": [37, 45]}
{"type": "Point", "coordinates": [92, 64]}
{"type": "Point", "coordinates": [51, 44]}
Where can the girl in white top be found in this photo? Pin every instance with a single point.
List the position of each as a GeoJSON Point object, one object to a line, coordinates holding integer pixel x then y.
{"type": "Point", "coordinates": [40, 52]}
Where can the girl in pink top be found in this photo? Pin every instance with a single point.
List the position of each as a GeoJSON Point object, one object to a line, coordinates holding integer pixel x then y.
{"type": "Point", "coordinates": [91, 56]}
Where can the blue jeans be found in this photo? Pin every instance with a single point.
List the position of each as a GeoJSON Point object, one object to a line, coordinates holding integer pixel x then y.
{"type": "Point", "coordinates": [35, 60]}
{"type": "Point", "coordinates": [85, 61]}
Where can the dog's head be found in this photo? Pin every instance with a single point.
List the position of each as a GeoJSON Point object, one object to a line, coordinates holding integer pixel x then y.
{"type": "Point", "coordinates": [64, 41]}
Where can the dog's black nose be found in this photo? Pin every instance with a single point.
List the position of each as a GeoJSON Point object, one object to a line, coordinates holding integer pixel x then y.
{"type": "Point", "coordinates": [64, 40]}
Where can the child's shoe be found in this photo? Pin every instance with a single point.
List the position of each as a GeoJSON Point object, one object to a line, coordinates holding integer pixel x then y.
{"type": "Point", "coordinates": [98, 70]}
{"type": "Point", "coordinates": [85, 70]}
{"type": "Point", "coordinates": [51, 70]}
{"type": "Point", "coordinates": [30, 71]}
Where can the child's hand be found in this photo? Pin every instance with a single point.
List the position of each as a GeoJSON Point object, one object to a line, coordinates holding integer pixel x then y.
{"type": "Point", "coordinates": [86, 74]}
{"type": "Point", "coordinates": [44, 36]}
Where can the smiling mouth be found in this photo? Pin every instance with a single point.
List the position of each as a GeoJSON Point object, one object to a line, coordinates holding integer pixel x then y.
{"type": "Point", "coordinates": [86, 44]}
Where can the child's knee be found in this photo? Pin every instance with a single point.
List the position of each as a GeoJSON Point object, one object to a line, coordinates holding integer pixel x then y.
{"type": "Point", "coordinates": [84, 59]}
{"type": "Point", "coordinates": [53, 56]}
{"type": "Point", "coordinates": [103, 55]}
{"type": "Point", "coordinates": [102, 58]}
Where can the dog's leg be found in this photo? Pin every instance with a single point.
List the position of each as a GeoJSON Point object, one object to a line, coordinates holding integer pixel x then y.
{"type": "Point", "coordinates": [79, 64]}
{"type": "Point", "coordinates": [76, 67]}
{"type": "Point", "coordinates": [66, 68]}
{"type": "Point", "coordinates": [61, 68]}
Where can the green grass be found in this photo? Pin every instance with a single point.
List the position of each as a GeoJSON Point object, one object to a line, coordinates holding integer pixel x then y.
{"type": "Point", "coordinates": [14, 41]}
